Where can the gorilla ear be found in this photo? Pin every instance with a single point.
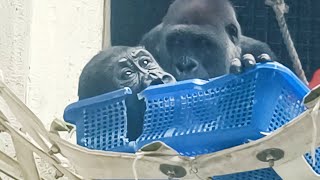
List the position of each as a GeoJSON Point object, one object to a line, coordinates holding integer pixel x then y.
{"type": "Point", "coordinates": [233, 33]}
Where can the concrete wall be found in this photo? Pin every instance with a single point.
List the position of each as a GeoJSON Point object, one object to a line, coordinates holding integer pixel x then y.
{"type": "Point", "coordinates": [64, 36]}
{"type": "Point", "coordinates": [44, 45]}
{"type": "Point", "coordinates": [15, 21]}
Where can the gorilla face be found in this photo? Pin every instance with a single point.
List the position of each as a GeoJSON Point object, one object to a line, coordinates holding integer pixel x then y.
{"type": "Point", "coordinates": [138, 70]}
{"type": "Point", "coordinates": [199, 38]}
{"type": "Point", "coordinates": [119, 67]}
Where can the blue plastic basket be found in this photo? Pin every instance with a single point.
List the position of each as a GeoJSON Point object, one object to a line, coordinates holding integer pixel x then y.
{"type": "Point", "coordinates": [261, 174]}
{"type": "Point", "coordinates": [101, 121]}
{"type": "Point", "coordinates": [316, 167]}
{"type": "Point", "coordinates": [195, 116]}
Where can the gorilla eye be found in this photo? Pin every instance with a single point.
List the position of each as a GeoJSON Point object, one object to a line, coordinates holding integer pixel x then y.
{"type": "Point", "coordinates": [126, 74]}
{"type": "Point", "coordinates": [232, 30]}
{"type": "Point", "coordinates": [144, 62]}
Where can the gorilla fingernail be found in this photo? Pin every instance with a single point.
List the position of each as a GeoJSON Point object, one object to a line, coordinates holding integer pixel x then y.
{"type": "Point", "coordinates": [235, 66]}
{"type": "Point", "coordinates": [264, 58]}
{"type": "Point", "coordinates": [248, 60]}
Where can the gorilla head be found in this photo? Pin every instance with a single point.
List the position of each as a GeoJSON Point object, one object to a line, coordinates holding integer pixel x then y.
{"type": "Point", "coordinates": [119, 67]}
{"type": "Point", "coordinates": [197, 39]}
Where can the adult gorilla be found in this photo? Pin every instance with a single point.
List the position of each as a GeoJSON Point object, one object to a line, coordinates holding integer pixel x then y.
{"type": "Point", "coordinates": [202, 39]}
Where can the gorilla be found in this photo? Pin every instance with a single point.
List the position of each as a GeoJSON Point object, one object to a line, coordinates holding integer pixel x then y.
{"type": "Point", "coordinates": [118, 67]}
{"type": "Point", "coordinates": [202, 39]}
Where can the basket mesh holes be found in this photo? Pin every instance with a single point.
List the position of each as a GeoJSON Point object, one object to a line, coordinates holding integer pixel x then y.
{"type": "Point", "coordinates": [262, 174]}
{"type": "Point", "coordinates": [309, 159]}
{"type": "Point", "coordinates": [104, 126]}
{"type": "Point", "coordinates": [208, 110]}
{"type": "Point", "coordinates": [288, 107]}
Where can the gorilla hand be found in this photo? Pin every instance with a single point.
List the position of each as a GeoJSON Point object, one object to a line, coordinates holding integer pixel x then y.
{"type": "Point", "coordinates": [247, 61]}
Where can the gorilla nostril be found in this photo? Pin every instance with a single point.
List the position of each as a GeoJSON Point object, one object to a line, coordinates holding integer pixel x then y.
{"type": "Point", "coordinates": [168, 79]}
{"type": "Point", "coordinates": [187, 66]}
{"type": "Point", "coordinates": [156, 82]}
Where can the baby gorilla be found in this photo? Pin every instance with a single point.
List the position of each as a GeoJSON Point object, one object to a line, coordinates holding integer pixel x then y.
{"type": "Point", "coordinates": [119, 67]}
{"type": "Point", "coordinates": [201, 39]}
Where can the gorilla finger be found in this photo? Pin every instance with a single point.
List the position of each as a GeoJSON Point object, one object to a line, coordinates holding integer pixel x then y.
{"type": "Point", "coordinates": [248, 61]}
{"type": "Point", "coordinates": [264, 58]}
{"type": "Point", "coordinates": [235, 66]}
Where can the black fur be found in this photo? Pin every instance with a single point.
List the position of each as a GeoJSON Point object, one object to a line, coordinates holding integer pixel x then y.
{"type": "Point", "coordinates": [199, 39]}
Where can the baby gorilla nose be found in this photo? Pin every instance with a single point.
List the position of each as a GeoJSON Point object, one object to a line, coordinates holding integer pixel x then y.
{"type": "Point", "coordinates": [186, 64]}
{"type": "Point", "coordinates": [156, 82]}
{"type": "Point", "coordinates": [167, 78]}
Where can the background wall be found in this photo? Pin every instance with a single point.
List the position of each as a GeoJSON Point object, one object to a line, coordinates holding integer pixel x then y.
{"type": "Point", "coordinates": [44, 45]}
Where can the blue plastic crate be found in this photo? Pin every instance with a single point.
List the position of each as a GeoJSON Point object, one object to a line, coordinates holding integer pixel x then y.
{"type": "Point", "coordinates": [197, 117]}
{"type": "Point", "coordinates": [261, 174]}
{"type": "Point", "coordinates": [211, 115]}
{"type": "Point", "coordinates": [316, 167]}
{"type": "Point", "coordinates": [101, 121]}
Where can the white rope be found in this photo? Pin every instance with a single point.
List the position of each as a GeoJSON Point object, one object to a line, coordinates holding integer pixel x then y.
{"type": "Point", "coordinates": [280, 8]}
{"type": "Point", "coordinates": [1, 76]}
{"type": "Point", "coordinates": [194, 170]}
{"type": "Point", "coordinates": [134, 169]}
{"type": "Point", "coordinates": [314, 117]}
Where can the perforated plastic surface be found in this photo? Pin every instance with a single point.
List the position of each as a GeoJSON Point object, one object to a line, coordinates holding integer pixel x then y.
{"type": "Point", "coordinates": [261, 174]}
{"type": "Point", "coordinates": [286, 108]}
{"type": "Point", "coordinates": [308, 158]}
{"type": "Point", "coordinates": [196, 117]}
{"type": "Point", "coordinates": [101, 121]}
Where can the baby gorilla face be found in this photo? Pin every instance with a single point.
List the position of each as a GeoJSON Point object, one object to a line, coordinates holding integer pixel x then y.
{"type": "Point", "coordinates": [138, 70]}
{"type": "Point", "coordinates": [118, 67]}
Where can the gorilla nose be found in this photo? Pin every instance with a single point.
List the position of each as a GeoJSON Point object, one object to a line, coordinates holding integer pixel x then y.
{"type": "Point", "coordinates": [156, 82]}
{"type": "Point", "coordinates": [167, 78]}
{"type": "Point", "coordinates": [186, 65]}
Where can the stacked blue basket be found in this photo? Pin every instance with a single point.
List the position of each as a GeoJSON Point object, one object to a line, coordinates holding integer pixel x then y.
{"type": "Point", "coordinates": [195, 116]}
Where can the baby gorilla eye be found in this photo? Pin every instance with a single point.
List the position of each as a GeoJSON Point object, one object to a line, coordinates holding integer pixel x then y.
{"type": "Point", "coordinates": [232, 31]}
{"type": "Point", "coordinates": [126, 74]}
